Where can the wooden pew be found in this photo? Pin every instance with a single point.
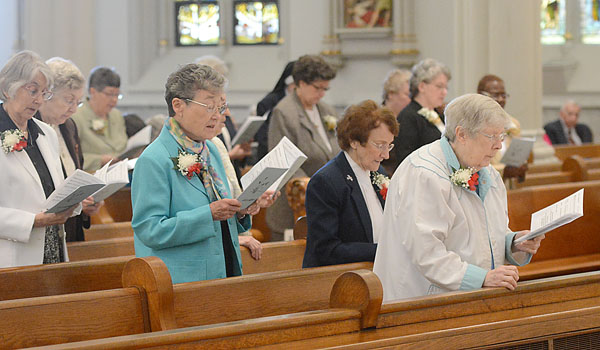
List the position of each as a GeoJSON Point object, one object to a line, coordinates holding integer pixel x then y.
{"type": "Point", "coordinates": [106, 231]}
{"type": "Point", "coordinates": [569, 249]}
{"type": "Point", "coordinates": [353, 304]}
{"type": "Point", "coordinates": [63, 278]}
{"type": "Point", "coordinates": [589, 150]}
{"type": "Point", "coordinates": [276, 256]}
{"type": "Point", "coordinates": [119, 205]}
{"type": "Point", "coordinates": [81, 316]}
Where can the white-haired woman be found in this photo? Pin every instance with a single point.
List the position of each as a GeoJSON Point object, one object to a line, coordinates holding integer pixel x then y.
{"type": "Point", "coordinates": [56, 112]}
{"type": "Point", "coordinates": [31, 168]}
{"type": "Point", "coordinates": [396, 96]}
{"type": "Point", "coordinates": [419, 122]}
{"type": "Point", "coordinates": [451, 206]}
{"type": "Point", "coordinates": [183, 211]}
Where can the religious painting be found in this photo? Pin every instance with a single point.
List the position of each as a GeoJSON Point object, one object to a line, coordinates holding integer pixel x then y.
{"type": "Point", "coordinates": [367, 14]}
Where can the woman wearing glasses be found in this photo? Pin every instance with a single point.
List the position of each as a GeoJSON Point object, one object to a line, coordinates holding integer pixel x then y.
{"type": "Point", "coordinates": [31, 169]}
{"type": "Point", "coordinates": [420, 123]}
{"type": "Point", "coordinates": [183, 210]}
{"type": "Point", "coordinates": [56, 112]}
{"type": "Point", "coordinates": [345, 198]}
{"type": "Point", "coordinates": [101, 126]}
{"type": "Point", "coordinates": [445, 223]}
{"type": "Point", "coordinates": [309, 123]}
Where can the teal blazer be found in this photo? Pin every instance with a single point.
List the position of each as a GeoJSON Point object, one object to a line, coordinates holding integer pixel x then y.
{"type": "Point", "coordinates": [172, 218]}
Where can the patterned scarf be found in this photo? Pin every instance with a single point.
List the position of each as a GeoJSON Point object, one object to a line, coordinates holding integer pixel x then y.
{"type": "Point", "coordinates": [212, 182]}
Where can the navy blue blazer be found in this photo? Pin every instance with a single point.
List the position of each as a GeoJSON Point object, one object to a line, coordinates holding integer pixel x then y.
{"type": "Point", "coordinates": [339, 225]}
{"type": "Point", "coordinates": [557, 136]}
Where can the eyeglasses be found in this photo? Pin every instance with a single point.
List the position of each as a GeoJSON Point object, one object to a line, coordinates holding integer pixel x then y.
{"type": "Point", "coordinates": [496, 96]}
{"type": "Point", "coordinates": [72, 101]}
{"type": "Point", "coordinates": [495, 138]}
{"type": "Point", "coordinates": [35, 92]}
{"type": "Point", "coordinates": [320, 88]}
{"type": "Point", "coordinates": [382, 147]}
{"type": "Point", "coordinates": [118, 96]}
{"type": "Point", "coordinates": [211, 109]}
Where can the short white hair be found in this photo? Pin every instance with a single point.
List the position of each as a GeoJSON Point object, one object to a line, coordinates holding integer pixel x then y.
{"type": "Point", "coordinates": [20, 70]}
{"type": "Point", "coordinates": [425, 71]}
{"type": "Point", "coordinates": [66, 74]}
{"type": "Point", "coordinates": [473, 112]}
{"type": "Point", "coordinates": [215, 63]}
{"type": "Point", "coordinates": [394, 81]}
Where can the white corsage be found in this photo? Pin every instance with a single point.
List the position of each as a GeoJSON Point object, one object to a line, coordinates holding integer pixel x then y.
{"type": "Point", "coordinates": [13, 140]}
{"type": "Point", "coordinates": [430, 115]}
{"type": "Point", "coordinates": [330, 122]}
{"type": "Point", "coordinates": [186, 163]}
{"type": "Point", "coordinates": [381, 181]}
{"type": "Point", "coordinates": [98, 126]}
{"type": "Point", "coordinates": [465, 177]}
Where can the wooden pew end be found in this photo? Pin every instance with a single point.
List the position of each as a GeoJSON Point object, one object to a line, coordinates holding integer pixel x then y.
{"type": "Point", "coordinates": [360, 290]}
{"type": "Point", "coordinates": [151, 274]}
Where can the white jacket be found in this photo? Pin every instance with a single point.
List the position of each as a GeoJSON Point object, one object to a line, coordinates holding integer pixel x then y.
{"type": "Point", "coordinates": [21, 198]}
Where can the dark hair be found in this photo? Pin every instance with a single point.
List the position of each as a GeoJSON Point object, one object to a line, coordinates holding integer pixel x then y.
{"type": "Point", "coordinates": [360, 119]}
{"type": "Point", "coordinates": [310, 68]}
{"type": "Point", "coordinates": [101, 77]}
{"type": "Point", "coordinates": [487, 79]}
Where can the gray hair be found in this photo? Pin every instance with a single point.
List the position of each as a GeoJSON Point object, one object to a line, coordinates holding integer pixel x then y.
{"type": "Point", "coordinates": [424, 72]}
{"type": "Point", "coordinates": [20, 70]}
{"type": "Point", "coordinates": [569, 103]}
{"type": "Point", "coordinates": [101, 77]}
{"type": "Point", "coordinates": [394, 81]}
{"type": "Point", "coordinates": [473, 112]}
{"type": "Point", "coordinates": [215, 63]}
{"type": "Point", "coordinates": [187, 80]}
{"type": "Point", "coordinates": [66, 74]}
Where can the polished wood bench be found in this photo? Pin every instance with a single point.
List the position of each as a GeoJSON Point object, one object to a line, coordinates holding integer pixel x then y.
{"type": "Point", "coordinates": [568, 249]}
{"type": "Point", "coordinates": [111, 230]}
{"type": "Point", "coordinates": [588, 150]}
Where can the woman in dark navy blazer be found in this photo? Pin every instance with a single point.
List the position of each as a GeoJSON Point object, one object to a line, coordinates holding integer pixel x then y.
{"type": "Point", "coordinates": [345, 198]}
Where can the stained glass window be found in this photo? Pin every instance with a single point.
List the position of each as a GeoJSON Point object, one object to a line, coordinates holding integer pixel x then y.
{"type": "Point", "coordinates": [553, 21]}
{"type": "Point", "coordinates": [590, 21]}
{"type": "Point", "coordinates": [256, 22]}
{"type": "Point", "coordinates": [197, 23]}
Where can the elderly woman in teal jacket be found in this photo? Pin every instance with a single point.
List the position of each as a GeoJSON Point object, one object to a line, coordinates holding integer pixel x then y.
{"type": "Point", "coordinates": [183, 211]}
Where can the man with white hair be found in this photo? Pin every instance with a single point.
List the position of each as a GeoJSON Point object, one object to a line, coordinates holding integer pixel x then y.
{"type": "Point", "coordinates": [566, 130]}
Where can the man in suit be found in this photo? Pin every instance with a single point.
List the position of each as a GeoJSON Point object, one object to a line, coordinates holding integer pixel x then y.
{"type": "Point", "coordinates": [566, 130]}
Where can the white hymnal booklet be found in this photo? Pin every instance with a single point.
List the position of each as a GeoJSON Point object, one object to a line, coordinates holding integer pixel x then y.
{"type": "Point", "coordinates": [114, 176]}
{"type": "Point", "coordinates": [247, 131]}
{"type": "Point", "coordinates": [284, 156]}
{"type": "Point", "coordinates": [555, 215]}
{"type": "Point", "coordinates": [518, 152]}
{"type": "Point", "coordinates": [254, 190]}
{"type": "Point", "coordinates": [77, 187]}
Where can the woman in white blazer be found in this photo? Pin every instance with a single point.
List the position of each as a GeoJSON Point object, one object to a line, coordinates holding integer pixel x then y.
{"type": "Point", "coordinates": [31, 167]}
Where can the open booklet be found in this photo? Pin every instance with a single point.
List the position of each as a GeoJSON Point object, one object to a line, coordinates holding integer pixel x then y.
{"type": "Point", "coordinates": [518, 152]}
{"type": "Point", "coordinates": [114, 177]}
{"type": "Point", "coordinates": [77, 187]}
{"type": "Point", "coordinates": [137, 142]}
{"type": "Point", "coordinates": [284, 156]}
{"type": "Point", "coordinates": [555, 215]}
{"type": "Point", "coordinates": [263, 181]}
{"type": "Point", "coordinates": [247, 131]}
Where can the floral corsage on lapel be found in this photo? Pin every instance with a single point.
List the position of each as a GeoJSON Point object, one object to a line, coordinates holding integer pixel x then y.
{"type": "Point", "coordinates": [330, 122]}
{"type": "Point", "coordinates": [98, 126]}
{"type": "Point", "coordinates": [430, 115]}
{"type": "Point", "coordinates": [465, 177]}
{"type": "Point", "coordinates": [187, 164]}
{"type": "Point", "coordinates": [13, 140]}
{"type": "Point", "coordinates": [381, 181]}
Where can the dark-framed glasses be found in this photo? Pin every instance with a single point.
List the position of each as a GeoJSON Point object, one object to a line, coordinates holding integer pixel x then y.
{"type": "Point", "coordinates": [383, 146]}
{"type": "Point", "coordinates": [35, 92]}
{"type": "Point", "coordinates": [210, 109]}
{"type": "Point", "coordinates": [495, 138]}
